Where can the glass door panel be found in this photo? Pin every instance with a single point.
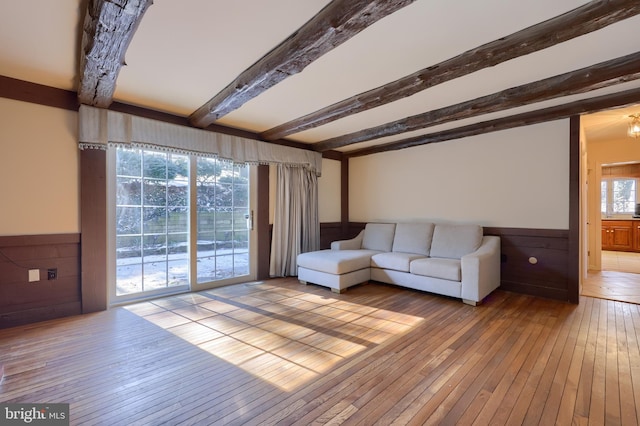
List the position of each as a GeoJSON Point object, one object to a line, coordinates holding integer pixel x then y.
{"type": "Point", "coordinates": [222, 211]}
{"type": "Point", "coordinates": [151, 222]}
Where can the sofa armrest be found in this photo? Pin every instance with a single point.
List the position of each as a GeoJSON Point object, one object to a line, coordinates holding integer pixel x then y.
{"type": "Point", "coordinates": [481, 270]}
{"type": "Point", "coordinates": [352, 244]}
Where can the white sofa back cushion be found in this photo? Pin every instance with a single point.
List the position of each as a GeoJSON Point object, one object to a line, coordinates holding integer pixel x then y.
{"type": "Point", "coordinates": [454, 241]}
{"type": "Point", "coordinates": [413, 238]}
{"type": "Point", "coordinates": [378, 236]}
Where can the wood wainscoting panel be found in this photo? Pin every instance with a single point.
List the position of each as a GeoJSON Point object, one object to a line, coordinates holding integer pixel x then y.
{"type": "Point", "coordinates": [329, 232]}
{"type": "Point", "coordinates": [354, 229]}
{"type": "Point", "coordinates": [24, 302]}
{"type": "Point", "coordinates": [534, 261]}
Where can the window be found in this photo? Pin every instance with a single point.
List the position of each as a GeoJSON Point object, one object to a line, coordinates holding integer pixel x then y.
{"type": "Point", "coordinates": [618, 196]}
{"type": "Point", "coordinates": [156, 247]}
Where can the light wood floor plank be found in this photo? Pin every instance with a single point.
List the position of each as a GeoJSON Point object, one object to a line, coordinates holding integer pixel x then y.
{"type": "Point", "coordinates": [566, 386]}
{"type": "Point", "coordinates": [612, 388]}
{"type": "Point", "coordinates": [522, 391]}
{"type": "Point", "coordinates": [496, 383]}
{"type": "Point", "coordinates": [503, 397]}
{"type": "Point", "coordinates": [438, 366]}
{"type": "Point", "coordinates": [324, 390]}
{"type": "Point", "coordinates": [554, 365]}
{"type": "Point", "coordinates": [583, 391]}
{"type": "Point", "coordinates": [597, 406]}
{"type": "Point", "coordinates": [463, 362]}
{"type": "Point", "coordinates": [627, 403]}
{"type": "Point", "coordinates": [632, 326]}
{"type": "Point", "coordinates": [493, 352]}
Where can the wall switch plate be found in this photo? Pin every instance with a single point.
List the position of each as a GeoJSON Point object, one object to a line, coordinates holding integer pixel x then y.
{"type": "Point", "coordinates": [34, 275]}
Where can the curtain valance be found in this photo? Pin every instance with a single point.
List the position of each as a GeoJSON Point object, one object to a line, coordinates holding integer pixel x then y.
{"type": "Point", "coordinates": [99, 128]}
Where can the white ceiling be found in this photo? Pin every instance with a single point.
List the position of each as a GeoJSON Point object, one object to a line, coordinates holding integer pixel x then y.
{"type": "Point", "coordinates": [184, 52]}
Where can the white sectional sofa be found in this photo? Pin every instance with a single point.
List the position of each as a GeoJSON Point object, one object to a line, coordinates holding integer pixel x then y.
{"type": "Point", "coordinates": [448, 259]}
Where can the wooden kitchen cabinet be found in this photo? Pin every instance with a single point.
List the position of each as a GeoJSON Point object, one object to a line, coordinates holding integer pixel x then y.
{"type": "Point", "coordinates": [621, 235]}
{"type": "Point", "coordinates": [636, 235]}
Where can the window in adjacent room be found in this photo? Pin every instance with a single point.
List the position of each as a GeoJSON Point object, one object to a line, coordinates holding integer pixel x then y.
{"type": "Point", "coordinates": [618, 196]}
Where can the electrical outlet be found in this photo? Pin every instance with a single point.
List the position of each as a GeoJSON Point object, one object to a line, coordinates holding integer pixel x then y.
{"type": "Point", "coordinates": [52, 274]}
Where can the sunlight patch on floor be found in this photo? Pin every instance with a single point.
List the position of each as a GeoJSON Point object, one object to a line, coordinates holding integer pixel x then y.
{"type": "Point", "coordinates": [278, 334]}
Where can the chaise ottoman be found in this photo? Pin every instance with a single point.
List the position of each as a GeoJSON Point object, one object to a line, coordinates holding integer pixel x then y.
{"type": "Point", "coordinates": [336, 269]}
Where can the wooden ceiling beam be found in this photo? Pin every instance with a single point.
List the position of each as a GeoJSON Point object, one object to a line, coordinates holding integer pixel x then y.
{"type": "Point", "coordinates": [604, 74]}
{"type": "Point", "coordinates": [108, 28]}
{"type": "Point", "coordinates": [582, 20]}
{"type": "Point", "coordinates": [336, 23]}
{"type": "Point", "coordinates": [585, 106]}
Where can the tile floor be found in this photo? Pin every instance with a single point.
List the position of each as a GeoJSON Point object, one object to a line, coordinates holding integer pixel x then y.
{"type": "Point", "coordinates": [618, 280]}
{"type": "Point", "coordinates": [621, 261]}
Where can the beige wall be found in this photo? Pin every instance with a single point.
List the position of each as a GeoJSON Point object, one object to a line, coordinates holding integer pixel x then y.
{"type": "Point", "coordinates": [329, 191]}
{"type": "Point", "coordinates": [39, 169]}
{"type": "Point", "coordinates": [512, 178]}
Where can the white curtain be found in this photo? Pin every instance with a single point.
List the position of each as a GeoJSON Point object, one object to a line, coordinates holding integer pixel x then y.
{"type": "Point", "coordinates": [296, 226]}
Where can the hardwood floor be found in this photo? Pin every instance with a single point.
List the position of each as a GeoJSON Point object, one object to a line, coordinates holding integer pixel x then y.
{"type": "Point", "coordinates": [278, 352]}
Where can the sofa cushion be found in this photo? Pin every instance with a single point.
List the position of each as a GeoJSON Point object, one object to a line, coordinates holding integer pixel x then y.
{"type": "Point", "coordinates": [447, 269]}
{"type": "Point", "coordinates": [454, 241]}
{"type": "Point", "coordinates": [413, 238]}
{"type": "Point", "coordinates": [378, 236]}
{"type": "Point", "coordinates": [336, 261]}
{"type": "Point", "coordinates": [394, 260]}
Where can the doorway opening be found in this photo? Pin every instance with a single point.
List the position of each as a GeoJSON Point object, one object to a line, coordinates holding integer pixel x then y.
{"type": "Point", "coordinates": [611, 164]}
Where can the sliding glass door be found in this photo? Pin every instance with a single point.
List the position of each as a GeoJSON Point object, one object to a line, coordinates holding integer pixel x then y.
{"type": "Point", "coordinates": [178, 223]}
